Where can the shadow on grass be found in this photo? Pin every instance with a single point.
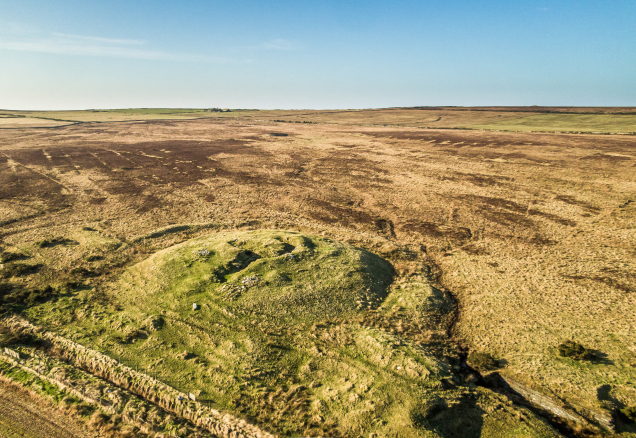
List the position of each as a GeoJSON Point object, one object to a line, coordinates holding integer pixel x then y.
{"type": "Point", "coordinates": [598, 357]}
{"type": "Point", "coordinates": [17, 298]}
{"type": "Point", "coordinates": [621, 422]}
{"type": "Point", "coordinates": [55, 241]}
{"type": "Point", "coordinates": [17, 269]}
{"type": "Point", "coordinates": [462, 420]}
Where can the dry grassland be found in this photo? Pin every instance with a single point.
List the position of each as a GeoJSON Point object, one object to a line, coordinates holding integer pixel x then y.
{"type": "Point", "coordinates": [29, 122]}
{"type": "Point", "coordinates": [530, 237]}
{"type": "Point", "coordinates": [621, 120]}
{"type": "Point", "coordinates": [24, 415]}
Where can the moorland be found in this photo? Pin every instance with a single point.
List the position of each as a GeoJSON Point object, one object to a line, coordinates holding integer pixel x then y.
{"type": "Point", "coordinates": [430, 271]}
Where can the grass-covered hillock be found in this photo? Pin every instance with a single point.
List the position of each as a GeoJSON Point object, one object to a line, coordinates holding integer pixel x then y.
{"type": "Point", "coordinates": [299, 333]}
{"type": "Point", "coordinates": [284, 275]}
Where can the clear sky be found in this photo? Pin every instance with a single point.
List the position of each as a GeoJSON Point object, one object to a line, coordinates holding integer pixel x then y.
{"type": "Point", "coordinates": [77, 54]}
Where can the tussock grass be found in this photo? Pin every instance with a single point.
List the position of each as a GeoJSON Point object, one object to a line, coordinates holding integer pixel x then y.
{"type": "Point", "coordinates": [9, 256]}
{"type": "Point", "coordinates": [483, 361]}
{"type": "Point", "coordinates": [574, 350]}
{"type": "Point", "coordinates": [17, 269]}
{"type": "Point", "coordinates": [53, 241]}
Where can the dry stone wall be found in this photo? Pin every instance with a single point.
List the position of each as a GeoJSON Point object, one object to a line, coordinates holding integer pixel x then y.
{"type": "Point", "coordinates": [166, 397]}
{"type": "Point", "coordinates": [559, 410]}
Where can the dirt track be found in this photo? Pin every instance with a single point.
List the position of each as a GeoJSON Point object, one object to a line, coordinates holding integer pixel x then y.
{"type": "Point", "coordinates": [22, 415]}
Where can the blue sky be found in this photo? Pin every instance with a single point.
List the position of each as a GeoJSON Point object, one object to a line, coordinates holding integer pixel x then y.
{"type": "Point", "coordinates": [76, 54]}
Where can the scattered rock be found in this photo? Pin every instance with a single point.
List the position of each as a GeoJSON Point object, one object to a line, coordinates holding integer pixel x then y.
{"type": "Point", "coordinates": [250, 281]}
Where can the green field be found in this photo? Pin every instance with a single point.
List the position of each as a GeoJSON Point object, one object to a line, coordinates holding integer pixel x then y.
{"type": "Point", "coordinates": [619, 123]}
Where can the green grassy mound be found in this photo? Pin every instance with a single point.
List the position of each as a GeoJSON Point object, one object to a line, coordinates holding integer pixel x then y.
{"type": "Point", "coordinates": [301, 334]}
{"type": "Point", "coordinates": [282, 274]}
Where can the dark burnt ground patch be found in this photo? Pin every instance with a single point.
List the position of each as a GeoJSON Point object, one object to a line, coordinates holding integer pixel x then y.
{"type": "Point", "coordinates": [29, 157]}
{"type": "Point", "coordinates": [209, 197]}
{"type": "Point", "coordinates": [162, 123]}
{"type": "Point", "coordinates": [481, 180]}
{"type": "Point", "coordinates": [356, 168]}
{"type": "Point", "coordinates": [487, 146]}
{"type": "Point", "coordinates": [596, 144]}
{"type": "Point", "coordinates": [122, 186]}
{"type": "Point", "coordinates": [348, 146]}
{"type": "Point", "coordinates": [451, 139]}
{"type": "Point", "coordinates": [608, 158]}
{"type": "Point", "coordinates": [97, 200]}
{"type": "Point", "coordinates": [517, 158]}
{"type": "Point", "coordinates": [475, 249]}
{"type": "Point", "coordinates": [453, 234]}
{"type": "Point", "coordinates": [131, 170]}
{"type": "Point", "coordinates": [533, 147]}
{"type": "Point", "coordinates": [500, 211]}
{"type": "Point", "coordinates": [614, 278]}
{"type": "Point", "coordinates": [328, 212]}
{"type": "Point", "coordinates": [85, 159]}
{"type": "Point", "coordinates": [179, 163]}
{"type": "Point", "coordinates": [412, 135]}
{"type": "Point", "coordinates": [552, 217]}
{"type": "Point", "coordinates": [114, 160]}
{"type": "Point", "coordinates": [490, 203]}
{"type": "Point", "coordinates": [509, 212]}
{"type": "Point", "coordinates": [59, 159]}
{"type": "Point", "coordinates": [149, 203]}
{"type": "Point", "coordinates": [20, 182]}
{"type": "Point", "coordinates": [540, 240]}
{"type": "Point", "coordinates": [573, 201]}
